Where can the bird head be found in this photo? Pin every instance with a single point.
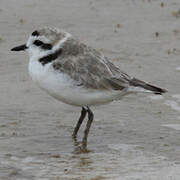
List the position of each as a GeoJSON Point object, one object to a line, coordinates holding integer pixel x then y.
{"type": "Point", "coordinates": [43, 41]}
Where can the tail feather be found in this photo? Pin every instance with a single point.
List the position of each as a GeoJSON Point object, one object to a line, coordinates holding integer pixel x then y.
{"type": "Point", "coordinates": [138, 83]}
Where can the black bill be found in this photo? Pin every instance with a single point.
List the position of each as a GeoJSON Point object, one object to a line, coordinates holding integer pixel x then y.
{"type": "Point", "coordinates": [20, 48]}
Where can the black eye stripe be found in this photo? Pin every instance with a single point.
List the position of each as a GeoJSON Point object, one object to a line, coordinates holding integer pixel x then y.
{"type": "Point", "coordinates": [46, 46]}
{"type": "Point", "coordinates": [38, 43]}
{"type": "Point", "coordinates": [35, 33]}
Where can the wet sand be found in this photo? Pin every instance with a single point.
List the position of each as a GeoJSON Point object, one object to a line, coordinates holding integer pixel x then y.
{"type": "Point", "coordinates": [137, 138]}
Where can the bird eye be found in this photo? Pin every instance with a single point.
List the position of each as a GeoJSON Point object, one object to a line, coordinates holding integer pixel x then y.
{"type": "Point", "coordinates": [38, 43]}
{"type": "Point", "coordinates": [35, 33]}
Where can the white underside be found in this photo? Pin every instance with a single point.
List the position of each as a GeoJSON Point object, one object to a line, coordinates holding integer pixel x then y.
{"type": "Point", "coordinates": [65, 89]}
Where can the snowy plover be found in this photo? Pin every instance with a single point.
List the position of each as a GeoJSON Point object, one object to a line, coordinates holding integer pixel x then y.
{"type": "Point", "coordinates": [77, 74]}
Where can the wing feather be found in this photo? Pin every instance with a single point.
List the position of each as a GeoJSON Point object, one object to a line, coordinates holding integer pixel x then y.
{"type": "Point", "coordinates": [90, 68]}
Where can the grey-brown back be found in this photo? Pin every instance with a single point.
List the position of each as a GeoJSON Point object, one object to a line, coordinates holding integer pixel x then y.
{"type": "Point", "coordinates": [89, 67]}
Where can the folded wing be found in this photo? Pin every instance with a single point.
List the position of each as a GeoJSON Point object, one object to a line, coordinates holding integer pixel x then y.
{"type": "Point", "coordinates": [89, 68]}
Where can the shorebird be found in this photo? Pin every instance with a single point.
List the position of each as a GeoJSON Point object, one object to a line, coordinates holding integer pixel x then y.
{"type": "Point", "coordinates": [77, 74]}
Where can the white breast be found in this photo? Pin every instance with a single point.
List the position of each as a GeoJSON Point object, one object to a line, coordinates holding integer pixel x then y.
{"type": "Point", "coordinates": [55, 83]}
{"type": "Point", "coordinates": [65, 89]}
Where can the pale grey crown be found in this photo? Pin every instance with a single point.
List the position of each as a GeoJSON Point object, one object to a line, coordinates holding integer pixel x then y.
{"type": "Point", "coordinates": [51, 34]}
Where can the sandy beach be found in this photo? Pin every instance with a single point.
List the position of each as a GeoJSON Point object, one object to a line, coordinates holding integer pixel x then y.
{"type": "Point", "coordinates": [137, 138]}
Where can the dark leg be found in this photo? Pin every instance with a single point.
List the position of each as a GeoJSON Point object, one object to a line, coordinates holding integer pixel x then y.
{"type": "Point", "coordinates": [83, 115]}
{"type": "Point", "coordinates": [88, 125]}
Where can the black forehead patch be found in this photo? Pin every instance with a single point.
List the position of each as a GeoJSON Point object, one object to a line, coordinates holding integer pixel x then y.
{"type": "Point", "coordinates": [35, 33]}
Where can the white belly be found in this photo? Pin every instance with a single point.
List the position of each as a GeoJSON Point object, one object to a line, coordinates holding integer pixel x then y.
{"type": "Point", "coordinates": [63, 88]}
